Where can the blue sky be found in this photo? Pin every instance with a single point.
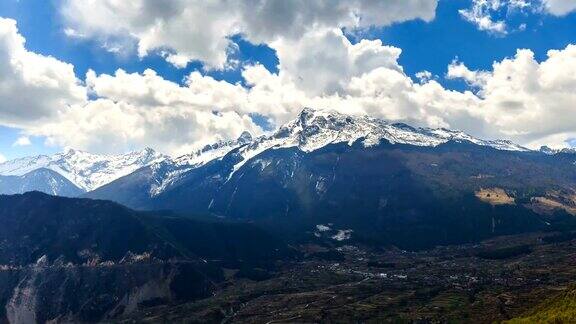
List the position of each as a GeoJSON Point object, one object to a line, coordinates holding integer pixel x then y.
{"type": "Point", "coordinates": [429, 46]}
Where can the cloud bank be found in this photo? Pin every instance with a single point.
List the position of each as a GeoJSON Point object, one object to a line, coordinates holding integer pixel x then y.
{"type": "Point", "coordinates": [33, 87]}
{"type": "Point", "coordinates": [197, 30]}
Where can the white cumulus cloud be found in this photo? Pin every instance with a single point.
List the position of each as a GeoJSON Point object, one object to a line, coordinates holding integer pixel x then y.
{"type": "Point", "coordinates": [560, 7]}
{"type": "Point", "coordinates": [42, 96]}
{"type": "Point", "coordinates": [189, 30]}
{"type": "Point", "coordinates": [33, 87]}
{"type": "Point", "coordinates": [22, 141]}
{"type": "Point", "coordinates": [520, 98]}
{"type": "Point", "coordinates": [324, 61]}
{"type": "Point", "coordinates": [527, 100]}
{"type": "Point", "coordinates": [137, 110]}
{"type": "Point", "coordinates": [492, 15]}
{"type": "Point", "coordinates": [481, 14]}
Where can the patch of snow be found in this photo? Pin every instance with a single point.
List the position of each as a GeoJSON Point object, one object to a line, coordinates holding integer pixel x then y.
{"type": "Point", "coordinates": [42, 261]}
{"type": "Point", "coordinates": [322, 228]}
{"type": "Point", "coordinates": [262, 163]}
{"type": "Point", "coordinates": [321, 186]}
{"type": "Point", "coordinates": [343, 235]}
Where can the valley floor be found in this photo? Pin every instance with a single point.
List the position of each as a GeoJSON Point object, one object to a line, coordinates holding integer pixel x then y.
{"type": "Point", "coordinates": [495, 281]}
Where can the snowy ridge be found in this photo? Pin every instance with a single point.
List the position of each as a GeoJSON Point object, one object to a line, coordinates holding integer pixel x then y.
{"type": "Point", "coordinates": [184, 163]}
{"type": "Point", "coordinates": [85, 170]}
{"type": "Point", "coordinates": [212, 152]}
{"type": "Point", "coordinates": [551, 151]}
{"type": "Point", "coordinates": [314, 129]}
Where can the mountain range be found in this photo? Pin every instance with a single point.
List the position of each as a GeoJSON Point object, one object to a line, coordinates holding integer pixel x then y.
{"type": "Point", "coordinates": [328, 168]}
{"type": "Point", "coordinates": [70, 173]}
{"type": "Point", "coordinates": [381, 182]}
{"type": "Point", "coordinates": [76, 172]}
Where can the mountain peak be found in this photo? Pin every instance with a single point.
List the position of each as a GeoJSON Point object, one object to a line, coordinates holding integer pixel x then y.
{"type": "Point", "coordinates": [245, 137]}
{"type": "Point", "coordinates": [309, 131]}
{"type": "Point", "coordinates": [309, 116]}
{"type": "Point", "coordinates": [307, 111]}
{"type": "Point", "coordinates": [147, 152]}
{"type": "Point", "coordinates": [548, 150]}
{"type": "Point", "coordinates": [69, 151]}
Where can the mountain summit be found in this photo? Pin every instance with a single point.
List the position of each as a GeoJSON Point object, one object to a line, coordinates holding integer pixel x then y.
{"type": "Point", "coordinates": [313, 129]}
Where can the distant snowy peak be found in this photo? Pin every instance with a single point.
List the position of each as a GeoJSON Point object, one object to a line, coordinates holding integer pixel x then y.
{"type": "Point", "coordinates": [43, 180]}
{"type": "Point", "coordinates": [551, 151]}
{"type": "Point", "coordinates": [85, 170]}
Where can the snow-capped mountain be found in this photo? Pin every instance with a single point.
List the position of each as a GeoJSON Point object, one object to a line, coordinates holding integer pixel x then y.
{"type": "Point", "coordinates": [314, 129]}
{"type": "Point", "coordinates": [85, 170]}
{"type": "Point", "coordinates": [310, 131]}
{"type": "Point", "coordinates": [372, 179]}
